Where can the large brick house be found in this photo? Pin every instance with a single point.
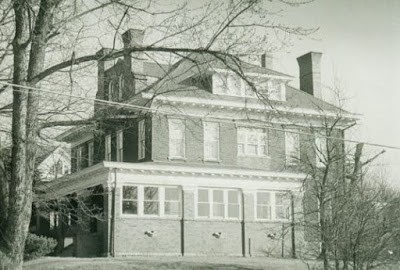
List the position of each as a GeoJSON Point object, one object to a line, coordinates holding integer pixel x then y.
{"type": "Point", "coordinates": [197, 162]}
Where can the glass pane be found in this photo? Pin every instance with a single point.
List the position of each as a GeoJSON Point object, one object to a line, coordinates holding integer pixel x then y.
{"type": "Point", "coordinates": [218, 196]}
{"type": "Point", "coordinates": [203, 210]}
{"type": "Point", "coordinates": [233, 211]}
{"type": "Point", "coordinates": [263, 212]}
{"type": "Point", "coordinates": [262, 150]}
{"type": "Point", "coordinates": [130, 192]}
{"type": "Point", "coordinates": [211, 149]}
{"type": "Point", "coordinates": [202, 195]}
{"type": "Point", "coordinates": [233, 196]}
{"type": "Point", "coordinates": [151, 208]}
{"type": "Point", "coordinates": [240, 149]}
{"type": "Point", "coordinates": [211, 131]}
{"type": "Point", "coordinates": [172, 208]}
{"type": "Point", "coordinates": [252, 138]}
{"type": "Point", "coordinates": [172, 194]}
{"type": "Point", "coordinates": [129, 207]}
{"type": "Point", "coordinates": [177, 129]}
{"type": "Point", "coordinates": [218, 210]}
{"type": "Point", "coordinates": [279, 212]}
{"type": "Point", "coordinates": [151, 193]}
{"type": "Point", "coordinates": [251, 149]}
{"type": "Point", "coordinates": [241, 136]}
{"type": "Point", "coordinates": [219, 83]}
{"type": "Point", "coordinates": [177, 148]}
{"type": "Point", "coordinates": [263, 198]}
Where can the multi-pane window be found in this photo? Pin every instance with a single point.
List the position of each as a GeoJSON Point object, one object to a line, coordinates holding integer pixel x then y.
{"type": "Point", "coordinates": [172, 201]}
{"type": "Point", "coordinates": [264, 205]}
{"type": "Point", "coordinates": [176, 138]}
{"type": "Point", "coordinates": [121, 86]}
{"type": "Point", "coordinates": [151, 200]}
{"type": "Point", "coordinates": [218, 203]}
{"type": "Point", "coordinates": [292, 148]}
{"type": "Point", "coordinates": [58, 169]}
{"type": "Point", "coordinates": [234, 85]}
{"type": "Point", "coordinates": [321, 151]}
{"type": "Point", "coordinates": [252, 142]}
{"type": "Point", "coordinates": [130, 200]}
{"type": "Point", "coordinates": [90, 153]}
{"type": "Point", "coordinates": [108, 148]}
{"type": "Point", "coordinates": [142, 139]}
{"type": "Point", "coordinates": [272, 205]}
{"type": "Point", "coordinates": [211, 141]}
{"type": "Point", "coordinates": [120, 145]}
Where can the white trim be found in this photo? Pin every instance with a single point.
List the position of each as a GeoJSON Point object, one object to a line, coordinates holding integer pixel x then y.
{"type": "Point", "coordinates": [242, 104]}
{"type": "Point", "coordinates": [141, 137]}
{"type": "Point", "coordinates": [188, 169]}
{"type": "Point", "coordinates": [282, 77]}
{"type": "Point", "coordinates": [120, 145]}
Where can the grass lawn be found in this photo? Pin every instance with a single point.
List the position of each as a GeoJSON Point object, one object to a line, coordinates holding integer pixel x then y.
{"type": "Point", "coordinates": [133, 263]}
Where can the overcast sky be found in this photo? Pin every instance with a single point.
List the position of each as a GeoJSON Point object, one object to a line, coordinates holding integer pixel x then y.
{"type": "Point", "coordinates": [360, 42]}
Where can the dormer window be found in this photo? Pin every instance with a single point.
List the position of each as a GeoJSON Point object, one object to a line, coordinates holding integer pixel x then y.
{"type": "Point", "coordinates": [227, 83]}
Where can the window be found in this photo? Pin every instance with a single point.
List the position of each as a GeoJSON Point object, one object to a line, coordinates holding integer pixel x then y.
{"type": "Point", "coordinates": [218, 203]}
{"type": "Point", "coordinates": [282, 206]}
{"type": "Point", "coordinates": [226, 83]}
{"type": "Point", "coordinates": [211, 141]}
{"type": "Point", "coordinates": [79, 158]}
{"type": "Point", "coordinates": [142, 139]}
{"type": "Point", "coordinates": [263, 205]}
{"type": "Point", "coordinates": [111, 91]}
{"type": "Point", "coordinates": [252, 142]}
{"type": "Point", "coordinates": [152, 201]}
{"type": "Point", "coordinates": [120, 146]}
{"type": "Point", "coordinates": [121, 86]}
{"type": "Point", "coordinates": [176, 138]}
{"type": "Point", "coordinates": [108, 148]}
{"type": "Point", "coordinates": [292, 148]}
{"type": "Point", "coordinates": [58, 169]}
{"type": "Point", "coordinates": [321, 151]}
{"type": "Point", "coordinates": [130, 200]}
{"type": "Point", "coordinates": [273, 205]}
{"type": "Point", "coordinates": [172, 202]}
{"type": "Point", "coordinates": [90, 154]}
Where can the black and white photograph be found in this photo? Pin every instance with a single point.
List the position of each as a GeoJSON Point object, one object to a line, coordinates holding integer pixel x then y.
{"type": "Point", "coordinates": [200, 134]}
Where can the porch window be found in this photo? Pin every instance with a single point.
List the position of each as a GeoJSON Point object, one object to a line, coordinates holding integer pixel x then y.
{"type": "Point", "coordinates": [264, 205]}
{"type": "Point", "coordinates": [130, 200]}
{"type": "Point", "coordinates": [151, 201]}
{"type": "Point", "coordinates": [172, 203]}
{"type": "Point", "coordinates": [218, 203]}
{"type": "Point", "coordinates": [282, 205]}
{"type": "Point", "coordinates": [79, 164]}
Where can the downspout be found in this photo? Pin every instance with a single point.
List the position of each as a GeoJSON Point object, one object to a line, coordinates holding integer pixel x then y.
{"type": "Point", "coordinates": [112, 213]}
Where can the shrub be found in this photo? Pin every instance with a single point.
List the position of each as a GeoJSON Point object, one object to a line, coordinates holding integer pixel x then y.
{"type": "Point", "coordinates": [38, 246]}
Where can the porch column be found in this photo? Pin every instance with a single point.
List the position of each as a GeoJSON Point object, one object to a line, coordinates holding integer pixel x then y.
{"type": "Point", "coordinates": [188, 212]}
{"type": "Point", "coordinates": [247, 215]}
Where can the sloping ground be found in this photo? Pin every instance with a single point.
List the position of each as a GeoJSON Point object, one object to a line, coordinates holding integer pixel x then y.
{"type": "Point", "coordinates": [55, 263]}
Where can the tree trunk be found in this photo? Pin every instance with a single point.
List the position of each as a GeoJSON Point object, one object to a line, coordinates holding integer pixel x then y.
{"type": "Point", "coordinates": [24, 127]}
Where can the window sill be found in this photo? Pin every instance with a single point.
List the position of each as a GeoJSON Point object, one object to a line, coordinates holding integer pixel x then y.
{"type": "Point", "coordinates": [126, 216]}
{"type": "Point", "coordinates": [212, 160]}
{"type": "Point", "coordinates": [208, 219]}
{"type": "Point", "coordinates": [177, 158]}
{"type": "Point", "coordinates": [255, 156]}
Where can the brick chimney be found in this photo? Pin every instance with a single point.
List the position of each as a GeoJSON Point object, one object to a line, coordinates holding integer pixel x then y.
{"type": "Point", "coordinates": [133, 38]}
{"type": "Point", "coordinates": [310, 73]}
{"type": "Point", "coordinates": [267, 61]}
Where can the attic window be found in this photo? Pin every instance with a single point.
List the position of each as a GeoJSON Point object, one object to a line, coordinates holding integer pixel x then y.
{"type": "Point", "coordinates": [233, 85]}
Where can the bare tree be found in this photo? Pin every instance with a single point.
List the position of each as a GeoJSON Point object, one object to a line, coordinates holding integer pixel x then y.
{"type": "Point", "coordinates": [38, 36]}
